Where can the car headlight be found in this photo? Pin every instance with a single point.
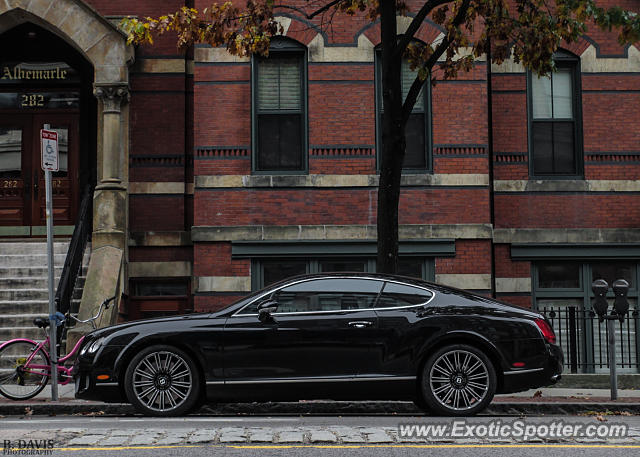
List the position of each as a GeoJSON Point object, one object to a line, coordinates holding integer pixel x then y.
{"type": "Point", "coordinates": [92, 347]}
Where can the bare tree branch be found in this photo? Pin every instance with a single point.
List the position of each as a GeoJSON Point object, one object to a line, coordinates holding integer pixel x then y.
{"type": "Point", "coordinates": [417, 22]}
{"type": "Point", "coordinates": [417, 84]}
{"type": "Point", "coordinates": [324, 8]}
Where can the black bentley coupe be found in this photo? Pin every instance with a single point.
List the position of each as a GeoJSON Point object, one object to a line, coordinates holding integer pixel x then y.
{"type": "Point", "coordinates": [340, 336]}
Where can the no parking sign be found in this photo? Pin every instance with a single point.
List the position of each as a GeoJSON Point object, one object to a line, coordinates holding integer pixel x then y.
{"type": "Point", "coordinates": [49, 150]}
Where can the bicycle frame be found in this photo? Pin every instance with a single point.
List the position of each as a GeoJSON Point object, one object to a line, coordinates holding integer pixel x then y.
{"type": "Point", "coordinates": [46, 369]}
{"type": "Point", "coordinates": [64, 374]}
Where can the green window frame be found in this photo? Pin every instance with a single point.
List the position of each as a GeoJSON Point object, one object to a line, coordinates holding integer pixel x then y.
{"type": "Point", "coordinates": [590, 341]}
{"type": "Point", "coordinates": [280, 109]}
{"type": "Point", "coordinates": [554, 109]}
{"type": "Point", "coordinates": [260, 274]}
{"type": "Point", "coordinates": [418, 158]}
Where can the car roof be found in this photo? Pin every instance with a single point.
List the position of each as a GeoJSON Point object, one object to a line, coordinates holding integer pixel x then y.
{"type": "Point", "coordinates": [359, 274]}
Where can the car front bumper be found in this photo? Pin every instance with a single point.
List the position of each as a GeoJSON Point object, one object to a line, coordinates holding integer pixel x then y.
{"type": "Point", "coordinates": [88, 374]}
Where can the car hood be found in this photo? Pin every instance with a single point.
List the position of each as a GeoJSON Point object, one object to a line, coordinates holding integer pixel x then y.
{"type": "Point", "coordinates": [105, 331]}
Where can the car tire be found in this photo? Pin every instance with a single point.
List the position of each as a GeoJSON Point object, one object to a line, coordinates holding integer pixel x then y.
{"type": "Point", "coordinates": [162, 380]}
{"type": "Point", "coordinates": [458, 380]}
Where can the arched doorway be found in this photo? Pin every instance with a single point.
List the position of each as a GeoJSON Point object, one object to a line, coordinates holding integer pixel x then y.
{"type": "Point", "coordinates": [43, 80]}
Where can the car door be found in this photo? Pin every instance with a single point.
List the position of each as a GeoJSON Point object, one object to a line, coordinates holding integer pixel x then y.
{"type": "Point", "coordinates": [404, 323]}
{"type": "Point", "coordinates": [322, 328]}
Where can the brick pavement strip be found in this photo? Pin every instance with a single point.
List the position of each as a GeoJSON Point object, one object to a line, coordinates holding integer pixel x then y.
{"type": "Point", "coordinates": [233, 435]}
{"type": "Point", "coordinates": [290, 436]}
{"type": "Point", "coordinates": [301, 435]}
{"type": "Point", "coordinates": [261, 435]}
{"type": "Point", "coordinates": [348, 434]}
{"type": "Point", "coordinates": [145, 438]}
{"type": "Point", "coordinates": [86, 440]}
{"type": "Point", "coordinates": [203, 436]}
{"type": "Point", "coordinates": [322, 436]}
{"type": "Point", "coordinates": [117, 440]}
{"type": "Point", "coordinates": [173, 437]}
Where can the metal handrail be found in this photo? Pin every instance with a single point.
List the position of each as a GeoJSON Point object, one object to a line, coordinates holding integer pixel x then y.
{"type": "Point", "coordinates": [75, 253]}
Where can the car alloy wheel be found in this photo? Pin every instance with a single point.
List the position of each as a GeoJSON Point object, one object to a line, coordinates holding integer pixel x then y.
{"type": "Point", "coordinates": [458, 380]}
{"type": "Point", "coordinates": [162, 381]}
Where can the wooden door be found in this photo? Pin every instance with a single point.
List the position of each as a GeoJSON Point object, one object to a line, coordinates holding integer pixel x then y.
{"type": "Point", "coordinates": [22, 188]}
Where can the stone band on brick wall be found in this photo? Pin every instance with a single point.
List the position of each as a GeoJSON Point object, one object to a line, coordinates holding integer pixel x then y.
{"type": "Point", "coordinates": [596, 185]}
{"type": "Point", "coordinates": [231, 181]}
{"type": "Point", "coordinates": [514, 285]}
{"type": "Point", "coordinates": [160, 188]}
{"type": "Point", "coordinates": [223, 283]}
{"type": "Point", "coordinates": [465, 281]}
{"type": "Point", "coordinates": [159, 269]}
{"type": "Point", "coordinates": [337, 232]}
{"type": "Point", "coordinates": [566, 235]}
{"type": "Point", "coordinates": [177, 238]}
{"type": "Point", "coordinates": [146, 65]}
{"type": "Point", "coordinates": [589, 63]}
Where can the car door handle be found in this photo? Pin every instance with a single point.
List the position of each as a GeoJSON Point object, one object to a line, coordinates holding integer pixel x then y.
{"type": "Point", "coordinates": [360, 324]}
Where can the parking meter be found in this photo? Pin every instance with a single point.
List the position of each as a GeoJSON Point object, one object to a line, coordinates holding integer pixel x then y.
{"type": "Point", "coordinates": [600, 305]}
{"type": "Point", "coordinates": [621, 304]}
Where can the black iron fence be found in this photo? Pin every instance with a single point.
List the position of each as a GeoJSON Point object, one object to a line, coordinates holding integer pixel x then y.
{"type": "Point", "coordinates": [583, 339]}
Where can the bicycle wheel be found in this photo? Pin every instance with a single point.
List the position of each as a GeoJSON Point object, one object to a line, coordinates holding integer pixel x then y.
{"type": "Point", "coordinates": [20, 382]}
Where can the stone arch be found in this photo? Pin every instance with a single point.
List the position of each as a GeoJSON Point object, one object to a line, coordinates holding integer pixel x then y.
{"type": "Point", "coordinates": [104, 46]}
{"type": "Point", "coordinates": [81, 26]}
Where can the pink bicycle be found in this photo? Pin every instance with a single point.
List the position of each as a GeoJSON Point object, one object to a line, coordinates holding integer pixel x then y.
{"type": "Point", "coordinates": [25, 366]}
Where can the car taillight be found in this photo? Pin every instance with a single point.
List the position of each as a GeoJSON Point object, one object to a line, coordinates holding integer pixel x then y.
{"type": "Point", "coordinates": [546, 330]}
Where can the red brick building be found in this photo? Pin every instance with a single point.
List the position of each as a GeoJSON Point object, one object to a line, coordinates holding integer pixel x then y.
{"type": "Point", "coordinates": [240, 171]}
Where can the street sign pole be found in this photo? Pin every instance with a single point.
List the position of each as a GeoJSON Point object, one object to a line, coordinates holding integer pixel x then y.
{"type": "Point", "coordinates": [53, 337]}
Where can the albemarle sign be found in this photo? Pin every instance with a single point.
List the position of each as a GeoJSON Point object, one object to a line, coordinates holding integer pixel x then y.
{"type": "Point", "coordinates": [59, 72]}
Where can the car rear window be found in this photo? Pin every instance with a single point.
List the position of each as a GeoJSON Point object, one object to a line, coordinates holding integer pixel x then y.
{"type": "Point", "coordinates": [396, 295]}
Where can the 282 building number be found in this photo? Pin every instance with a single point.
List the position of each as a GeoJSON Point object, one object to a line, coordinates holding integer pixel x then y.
{"type": "Point", "coordinates": [31, 100]}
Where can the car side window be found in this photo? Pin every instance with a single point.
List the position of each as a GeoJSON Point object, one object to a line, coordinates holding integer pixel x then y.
{"type": "Point", "coordinates": [398, 295]}
{"type": "Point", "coordinates": [332, 294]}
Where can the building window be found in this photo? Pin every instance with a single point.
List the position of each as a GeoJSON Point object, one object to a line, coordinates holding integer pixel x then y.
{"type": "Point", "coordinates": [155, 297]}
{"type": "Point", "coordinates": [280, 108]}
{"type": "Point", "coordinates": [555, 130]}
{"type": "Point", "coordinates": [265, 272]}
{"type": "Point", "coordinates": [417, 157]}
{"type": "Point", "coordinates": [562, 291]}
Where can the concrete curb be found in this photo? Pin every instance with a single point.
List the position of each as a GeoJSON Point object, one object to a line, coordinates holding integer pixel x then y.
{"type": "Point", "coordinates": [317, 408]}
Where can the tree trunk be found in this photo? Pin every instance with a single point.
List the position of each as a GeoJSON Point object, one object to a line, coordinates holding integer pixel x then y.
{"type": "Point", "coordinates": [393, 143]}
{"type": "Point", "coordinates": [388, 199]}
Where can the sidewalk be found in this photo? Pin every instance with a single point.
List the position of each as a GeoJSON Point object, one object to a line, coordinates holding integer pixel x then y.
{"type": "Point", "coordinates": [545, 401]}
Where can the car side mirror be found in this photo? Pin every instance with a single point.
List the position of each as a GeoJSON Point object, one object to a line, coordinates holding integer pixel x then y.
{"type": "Point", "coordinates": [265, 309]}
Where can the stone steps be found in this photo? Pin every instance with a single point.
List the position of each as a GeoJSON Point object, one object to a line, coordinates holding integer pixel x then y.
{"type": "Point", "coordinates": [29, 260]}
{"type": "Point", "coordinates": [24, 287]}
{"type": "Point", "coordinates": [27, 294]}
{"type": "Point", "coordinates": [34, 247]}
{"type": "Point", "coordinates": [32, 332]}
{"type": "Point", "coordinates": [31, 282]}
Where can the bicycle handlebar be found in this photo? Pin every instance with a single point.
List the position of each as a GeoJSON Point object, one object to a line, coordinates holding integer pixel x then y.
{"type": "Point", "coordinates": [92, 320]}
